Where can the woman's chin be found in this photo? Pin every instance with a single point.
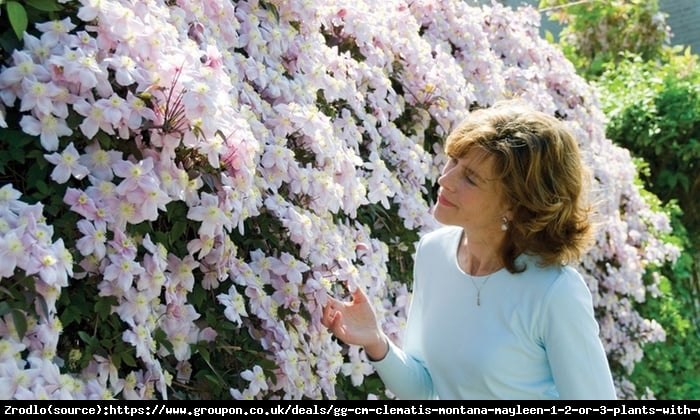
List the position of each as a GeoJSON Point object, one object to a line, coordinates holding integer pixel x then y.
{"type": "Point", "coordinates": [440, 215]}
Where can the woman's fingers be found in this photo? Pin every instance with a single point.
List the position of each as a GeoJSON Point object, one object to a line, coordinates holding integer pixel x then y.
{"type": "Point", "coordinates": [331, 313]}
{"type": "Point", "coordinates": [331, 319]}
{"type": "Point", "coordinates": [358, 296]}
{"type": "Point", "coordinates": [327, 314]}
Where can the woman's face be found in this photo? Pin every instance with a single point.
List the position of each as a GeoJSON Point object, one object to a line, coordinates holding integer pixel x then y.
{"type": "Point", "coordinates": [469, 194]}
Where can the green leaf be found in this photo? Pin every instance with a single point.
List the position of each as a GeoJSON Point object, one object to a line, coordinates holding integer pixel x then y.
{"type": "Point", "coordinates": [5, 308]}
{"type": "Point", "coordinates": [44, 5]}
{"type": "Point", "coordinates": [71, 314]}
{"type": "Point", "coordinates": [198, 295]}
{"type": "Point", "coordinates": [128, 359]}
{"type": "Point", "coordinates": [20, 323]}
{"type": "Point", "coordinates": [178, 231]}
{"type": "Point", "coordinates": [103, 307]}
{"type": "Point", "coordinates": [213, 379]}
{"type": "Point", "coordinates": [116, 361]}
{"type": "Point", "coordinates": [43, 306]}
{"type": "Point", "coordinates": [88, 339]}
{"type": "Point", "coordinates": [18, 18]}
{"type": "Point", "coordinates": [205, 355]}
{"type": "Point", "coordinates": [162, 338]}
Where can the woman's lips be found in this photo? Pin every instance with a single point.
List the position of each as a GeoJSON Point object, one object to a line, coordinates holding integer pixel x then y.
{"type": "Point", "coordinates": [445, 202]}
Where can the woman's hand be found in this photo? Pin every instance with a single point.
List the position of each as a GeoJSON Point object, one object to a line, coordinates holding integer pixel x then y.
{"type": "Point", "coordinates": [355, 323]}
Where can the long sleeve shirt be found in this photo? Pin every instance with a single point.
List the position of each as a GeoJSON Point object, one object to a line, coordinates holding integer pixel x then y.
{"type": "Point", "coordinates": [533, 336]}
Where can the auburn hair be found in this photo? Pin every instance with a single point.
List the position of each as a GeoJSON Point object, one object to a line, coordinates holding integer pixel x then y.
{"type": "Point", "coordinates": [541, 175]}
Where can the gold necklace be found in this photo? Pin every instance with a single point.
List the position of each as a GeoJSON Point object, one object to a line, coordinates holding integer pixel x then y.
{"type": "Point", "coordinates": [478, 289]}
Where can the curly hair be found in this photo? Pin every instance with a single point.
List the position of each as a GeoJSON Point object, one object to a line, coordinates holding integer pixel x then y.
{"type": "Point", "coordinates": [541, 175]}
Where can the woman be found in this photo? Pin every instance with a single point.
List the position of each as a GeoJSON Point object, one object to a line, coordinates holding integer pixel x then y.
{"type": "Point", "coordinates": [498, 311]}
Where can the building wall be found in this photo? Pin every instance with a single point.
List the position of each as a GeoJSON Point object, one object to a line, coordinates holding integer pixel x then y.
{"type": "Point", "coordinates": [684, 20]}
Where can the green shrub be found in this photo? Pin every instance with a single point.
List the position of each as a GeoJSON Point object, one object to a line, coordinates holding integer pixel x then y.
{"type": "Point", "coordinates": [595, 32]}
{"type": "Point", "coordinates": [653, 110]}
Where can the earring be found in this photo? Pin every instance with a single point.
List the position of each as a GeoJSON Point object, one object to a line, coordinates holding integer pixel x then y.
{"type": "Point", "coordinates": [504, 225]}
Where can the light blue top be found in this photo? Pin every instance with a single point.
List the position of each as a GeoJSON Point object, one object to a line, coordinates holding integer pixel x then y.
{"type": "Point", "coordinates": [534, 336]}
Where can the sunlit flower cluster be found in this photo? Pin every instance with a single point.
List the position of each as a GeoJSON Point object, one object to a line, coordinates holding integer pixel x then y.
{"type": "Point", "coordinates": [278, 130]}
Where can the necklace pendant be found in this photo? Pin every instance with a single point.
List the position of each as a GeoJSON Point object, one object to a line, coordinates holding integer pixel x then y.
{"type": "Point", "coordinates": [478, 288]}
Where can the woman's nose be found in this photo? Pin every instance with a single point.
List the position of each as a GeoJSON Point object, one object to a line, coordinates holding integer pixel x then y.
{"type": "Point", "coordinates": [445, 177]}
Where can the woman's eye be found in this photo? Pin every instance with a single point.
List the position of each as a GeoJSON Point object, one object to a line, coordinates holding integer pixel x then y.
{"type": "Point", "coordinates": [452, 162]}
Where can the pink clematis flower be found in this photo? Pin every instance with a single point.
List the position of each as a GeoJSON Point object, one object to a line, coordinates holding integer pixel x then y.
{"type": "Point", "coordinates": [94, 238]}
{"type": "Point", "coordinates": [290, 267]}
{"type": "Point", "coordinates": [8, 195]}
{"type": "Point", "coordinates": [39, 96]}
{"type": "Point", "coordinates": [95, 118]}
{"type": "Point", "coordinates": [67, 165]}
{"type": "Point", "coordinates": [48, 128]}
{"type": "Point", "coordinates": [55, 31]}
{"type": "Point", "coordinates": [100, 161]}
{"type": "Point", "coordinates": [12, 253]}
{"type": "Point", "coordinates": [208, 212]}
{"type": "Point", "coordinates": [257, 379]}
{"type": "Point", "coordinates": [81, 203]}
